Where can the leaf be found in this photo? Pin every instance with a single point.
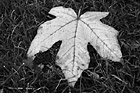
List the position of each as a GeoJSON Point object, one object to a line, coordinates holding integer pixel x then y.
{"type": "Point", "coordinates": [75, 32]}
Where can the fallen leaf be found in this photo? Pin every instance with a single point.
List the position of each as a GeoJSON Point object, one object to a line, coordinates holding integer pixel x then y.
{"type": "Point", "coordinates": [75, 32]}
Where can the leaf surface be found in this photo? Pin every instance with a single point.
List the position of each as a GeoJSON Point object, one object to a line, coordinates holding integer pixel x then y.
{"type": "Point", "coordinates": [75, 32]}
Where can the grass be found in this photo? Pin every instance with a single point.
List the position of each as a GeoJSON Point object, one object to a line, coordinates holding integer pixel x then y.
{"type": "Point", "coordinates": [19, 20]}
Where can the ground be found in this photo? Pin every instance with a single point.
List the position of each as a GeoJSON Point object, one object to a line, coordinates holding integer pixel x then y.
{"type": "Point", "coordinates": [19, 21]}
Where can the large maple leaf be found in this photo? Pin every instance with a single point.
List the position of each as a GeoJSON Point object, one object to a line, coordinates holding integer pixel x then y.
{"type": "Point", "coordinates": [75, 32]}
